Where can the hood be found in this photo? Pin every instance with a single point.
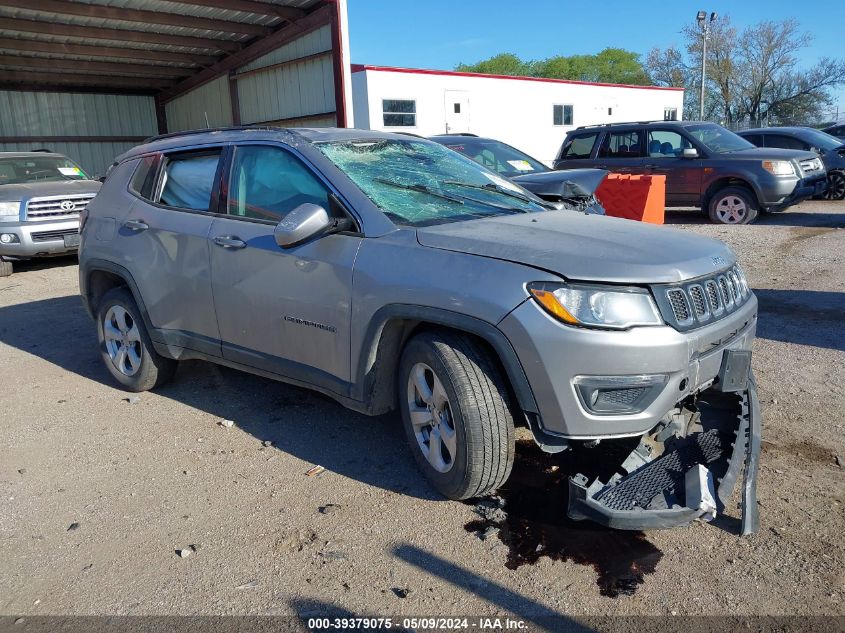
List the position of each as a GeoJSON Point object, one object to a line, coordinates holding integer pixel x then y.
{"type": "Point", "coordinates": [834, 158]}
{"type": "Point", "coordinates": [769, 153]}
{"type": "Point", "coordinates": [25, 191]}
{"type": "Point", "coordinates": [585, 247]}
{"type": "Point", "coordinates": [568, 183]}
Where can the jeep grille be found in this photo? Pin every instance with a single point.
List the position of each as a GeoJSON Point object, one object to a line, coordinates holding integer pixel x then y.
{"type": "Point", "coordinates": [697, 303]}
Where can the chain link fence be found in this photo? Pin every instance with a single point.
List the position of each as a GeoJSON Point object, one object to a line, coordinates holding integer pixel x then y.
{"type": "Point", "coordinates": [826, 118]}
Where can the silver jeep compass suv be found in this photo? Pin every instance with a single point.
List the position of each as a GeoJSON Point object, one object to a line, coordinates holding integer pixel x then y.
{"type": "Point", "coordinates": [390, 272]}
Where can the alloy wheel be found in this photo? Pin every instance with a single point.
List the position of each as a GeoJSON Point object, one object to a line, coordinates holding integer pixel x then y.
{"type": "Point", "coordinates": [731, 210]}
{"type": "Point", "coordinates": [122, 340]}
{"type": "Point", "coordinates": [431, 418]}
{"type": "Point", "coordinates": [835, 187]}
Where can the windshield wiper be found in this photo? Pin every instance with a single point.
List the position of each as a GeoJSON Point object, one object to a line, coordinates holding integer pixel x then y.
{"type": "Point", "coordinates": [498, 189]}
{"type": "Point", "coordinates": [420, 188]}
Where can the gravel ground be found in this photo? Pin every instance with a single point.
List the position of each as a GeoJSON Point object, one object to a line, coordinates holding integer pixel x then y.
{"type": "Point", "coordinates": [99, 489]}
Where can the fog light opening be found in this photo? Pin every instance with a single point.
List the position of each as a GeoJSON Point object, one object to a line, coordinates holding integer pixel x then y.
{"type": "Point", "coordinates": [8, 238]}
{"type": "Point", "coordinates": [619, 395]}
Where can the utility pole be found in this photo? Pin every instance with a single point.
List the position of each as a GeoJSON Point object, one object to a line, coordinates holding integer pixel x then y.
{"type": "Point", "coordinates": [704, 24]}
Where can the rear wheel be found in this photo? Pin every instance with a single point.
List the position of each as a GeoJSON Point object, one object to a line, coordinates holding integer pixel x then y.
{"type": "Point", "coordinates": [456, 413]}
{"type": "Point", "coordinates": [125, 345]}
{"type": "Point", "coordinates": [733, 205]}
{"type": "Point", "coordinates": [835, 186]}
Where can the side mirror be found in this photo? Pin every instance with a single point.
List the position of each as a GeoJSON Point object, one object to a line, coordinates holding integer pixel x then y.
{"type": "Point", "coordinates": [690, 152]}
{"type": "Point", "coordinates": [304, 222]}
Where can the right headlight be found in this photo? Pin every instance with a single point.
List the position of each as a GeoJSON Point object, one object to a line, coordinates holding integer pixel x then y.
{"type": "Point", "coordinates": [779, 167]}
{"type": "Point", "coordinates": [10, 211]}
{"type": "Point", "coordinates": [587, 305]}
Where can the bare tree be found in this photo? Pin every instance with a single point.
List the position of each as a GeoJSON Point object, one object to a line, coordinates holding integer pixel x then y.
{"type": "Point", "coordinates": [752, 75]}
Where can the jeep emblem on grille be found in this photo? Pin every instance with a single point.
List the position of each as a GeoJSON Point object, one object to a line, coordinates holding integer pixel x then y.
{"type": "Point", "coordinates": [718, 261]}
{"type": "Point", "coordinates": [67, 205]}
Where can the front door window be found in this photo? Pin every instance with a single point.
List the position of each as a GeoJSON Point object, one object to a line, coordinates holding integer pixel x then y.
{"type": "Point", "coordinates": [267, 183]}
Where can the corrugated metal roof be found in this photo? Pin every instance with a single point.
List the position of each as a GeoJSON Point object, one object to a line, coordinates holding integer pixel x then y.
{"type": "Point", "coordinates": [99, 41]}
{"type": "Point", "coordinates": [62, 38]}
{"type": "Point", "coordinates": [116, 60]}
{"type": "Point", "coordinates": [78, 20]}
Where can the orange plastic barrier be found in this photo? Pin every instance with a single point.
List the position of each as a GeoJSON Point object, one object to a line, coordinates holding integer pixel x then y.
{"type": "Point", "coordinates": [640, 198]}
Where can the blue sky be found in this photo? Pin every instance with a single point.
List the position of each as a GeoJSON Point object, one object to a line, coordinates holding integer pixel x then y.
{"type": "Point", "coordinates": [440, 34]}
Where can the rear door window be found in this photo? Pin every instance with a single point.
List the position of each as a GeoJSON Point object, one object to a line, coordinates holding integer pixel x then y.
{"type": "Point", "coordinates": [579, 146]}
{"type": "Point", "coordinates": [187, 179]}
{"type": "Point", "coordinates": [785, 142]}
{"type": "Point", "coordinates": [755, 139]}
{"type": "Point", "coordinates": [627, 144]}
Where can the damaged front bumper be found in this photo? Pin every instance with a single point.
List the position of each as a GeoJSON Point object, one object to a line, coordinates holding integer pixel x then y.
{"type": "Point", "coordinates": [684, 470]}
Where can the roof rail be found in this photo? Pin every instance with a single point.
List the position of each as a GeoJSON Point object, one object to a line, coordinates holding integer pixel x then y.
{"type": "Point", "coordinates": [458, 134]}
{"type": "Point", "coordinates": [206, 130]}
{"type": "Point", "coordinates": [583, 127]}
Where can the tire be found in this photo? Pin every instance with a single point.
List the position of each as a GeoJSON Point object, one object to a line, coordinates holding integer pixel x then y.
{"type": "Point", "coordinates": [6, 268]}
{"type": "Point", "coordinates": [835, 186]}
{"type": "Point", "coordinates": [733, 205]}
{"type": "Point", "coordinates": [476, 413]}
{"type": "Point", "coordinates": [140, 368]}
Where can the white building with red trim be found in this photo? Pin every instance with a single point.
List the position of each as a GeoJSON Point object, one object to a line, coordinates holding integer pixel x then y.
{"type": "Point", "coordinates": [532, 114]}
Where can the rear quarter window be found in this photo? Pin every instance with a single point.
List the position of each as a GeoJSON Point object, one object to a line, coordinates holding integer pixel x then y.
{"type": "Point", "coordinates": [578, 146]}
{"type": "Point", "coordinates": [143, 179]}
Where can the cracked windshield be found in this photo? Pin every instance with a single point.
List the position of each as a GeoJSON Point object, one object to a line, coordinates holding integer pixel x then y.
{"type": "Point", "coordinates": [420, 184]}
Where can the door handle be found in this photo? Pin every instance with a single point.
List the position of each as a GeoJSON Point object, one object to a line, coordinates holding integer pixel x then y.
{"type": "Point", "coordinates": [136, 225]}
{"type": "Point", "coordinates": [229, 241]}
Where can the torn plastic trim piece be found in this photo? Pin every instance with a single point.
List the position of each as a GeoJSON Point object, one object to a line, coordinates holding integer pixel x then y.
{"type": "Point", "coordinates": [750, 512]}
{"type": "Point", "coordinates": [583, 503]}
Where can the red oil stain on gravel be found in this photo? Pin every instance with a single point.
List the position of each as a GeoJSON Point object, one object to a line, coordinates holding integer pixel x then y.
{"type": "Point", "coordinates": [529, 516]}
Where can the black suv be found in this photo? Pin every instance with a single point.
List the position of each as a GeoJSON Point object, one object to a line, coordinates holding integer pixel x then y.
{"type": "Point", "coordinates": [829, 148]}
{"type": "Point", "coordinates": [836, 130]}
{"type": "Point", "coordinates": [706, 166]}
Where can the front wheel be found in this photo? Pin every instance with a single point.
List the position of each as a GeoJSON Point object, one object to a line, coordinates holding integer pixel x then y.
{"type": "Point", "coordinates": [125, 345]}
{"type": "Point", "coordinates": [733, 205]}
{"type": "Point", "coordinates": [5, 268]}
{"type": "Point", "coordinates": [456, 413]}
{"type": "Point", "coordinates": [835, 186]}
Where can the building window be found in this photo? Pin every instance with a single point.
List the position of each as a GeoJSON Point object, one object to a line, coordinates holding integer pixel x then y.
{"type": "Point", "coordinates": [399, 112]}
{"type": "Point", "coordinates": [610, 112]}
{"type": "Point", "coordinates": [562, 114]}
{"type": "Point", "coordinates": [670, 114]}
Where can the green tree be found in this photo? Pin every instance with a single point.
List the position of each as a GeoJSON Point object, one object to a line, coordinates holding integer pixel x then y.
{"type": "Point", "coordinates": [612, 65]}
{"type": "Point", "coordinates": [501, 64]}
{"type": "Point", "coordinates": [752, 75]}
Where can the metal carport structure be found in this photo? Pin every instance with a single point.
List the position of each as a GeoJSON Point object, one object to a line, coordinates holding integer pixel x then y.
{"type": "Point", "coordinates": [90, 78]}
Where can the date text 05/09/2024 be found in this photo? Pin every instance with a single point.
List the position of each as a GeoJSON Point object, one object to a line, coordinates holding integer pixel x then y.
{"type": "Point", "coordinates": [417, 624]}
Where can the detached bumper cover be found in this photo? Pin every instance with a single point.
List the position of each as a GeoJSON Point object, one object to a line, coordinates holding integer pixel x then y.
{"type": "Point", "coordinates": [628, 502]}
